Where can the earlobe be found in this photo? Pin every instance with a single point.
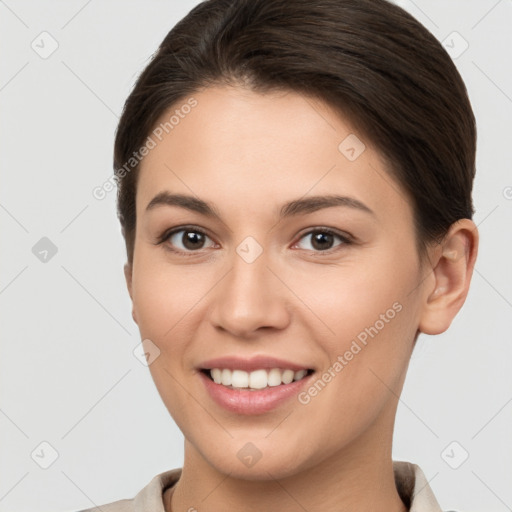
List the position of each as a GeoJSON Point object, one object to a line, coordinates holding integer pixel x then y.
{"type": "Point", "coordinates": [128, 278]}
{"type": "Point", "coordinates": [452, 274]}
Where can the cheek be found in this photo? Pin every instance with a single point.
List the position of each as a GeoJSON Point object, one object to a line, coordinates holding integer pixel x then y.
{"type": "Point", "coordinates": [165, 296]}
{"type": "Point", "coordinates": [369, 319]}
{"type": "Point", "coordinates": [348, 299]}
{"type": "Point", "coordinates": [166, 300]}
{"type": "Point", "coordinates": [365, 358]}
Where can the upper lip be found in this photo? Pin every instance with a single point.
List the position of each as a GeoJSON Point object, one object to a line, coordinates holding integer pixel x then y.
{"type": "Point", "coordinates": [249, 365]}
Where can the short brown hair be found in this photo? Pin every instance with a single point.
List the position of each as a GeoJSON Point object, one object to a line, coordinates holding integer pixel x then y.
{"type": "Point", "coordinates": [369, 59]}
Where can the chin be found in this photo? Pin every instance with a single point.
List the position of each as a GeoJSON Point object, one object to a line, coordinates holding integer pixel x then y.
{"type": "Point", "coordinates": [249, 463]}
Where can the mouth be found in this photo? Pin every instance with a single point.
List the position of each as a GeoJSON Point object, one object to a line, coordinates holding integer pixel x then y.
{"type": "Point", "coordinates": [259, 391]}
{"type": "Point", "coordinates": [256, 380]}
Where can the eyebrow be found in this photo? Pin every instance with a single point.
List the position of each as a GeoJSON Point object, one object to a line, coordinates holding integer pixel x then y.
{"type": "Point", "coordinates": [296, 207]}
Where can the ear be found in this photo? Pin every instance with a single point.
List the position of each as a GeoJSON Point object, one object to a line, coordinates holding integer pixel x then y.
{"type": "Point", "coordinates": [128, 277]}
{"type": "Point", "coordinates": [454, 260]}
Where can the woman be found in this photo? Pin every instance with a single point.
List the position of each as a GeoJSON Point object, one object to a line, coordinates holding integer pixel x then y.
{"type": "Point", "coordinates": [295, 184]}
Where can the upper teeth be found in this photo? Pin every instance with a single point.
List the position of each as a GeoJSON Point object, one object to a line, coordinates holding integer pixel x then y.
{"type": "Point", "coordinates": [257, 379]}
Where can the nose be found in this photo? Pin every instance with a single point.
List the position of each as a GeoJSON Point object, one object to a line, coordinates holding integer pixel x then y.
{"type": "Point", "coordinates": [250, 298]}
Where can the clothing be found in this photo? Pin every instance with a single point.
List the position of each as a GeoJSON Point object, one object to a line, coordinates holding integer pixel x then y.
{"type": "Point", "coordinates": [411, 484]}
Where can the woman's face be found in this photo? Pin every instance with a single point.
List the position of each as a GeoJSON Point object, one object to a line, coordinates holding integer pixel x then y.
{"type": "Point", "coordinates": [265, 280]}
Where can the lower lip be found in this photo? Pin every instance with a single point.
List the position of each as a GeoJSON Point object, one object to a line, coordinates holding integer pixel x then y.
{"type": "Point", "coordinates": [245, 401]}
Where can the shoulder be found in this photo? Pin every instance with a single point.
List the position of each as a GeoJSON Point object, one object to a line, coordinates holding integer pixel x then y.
{"type": "Point", "coordinates": [115, 506]}
{"type": "Point", "coordinates": [413, 488]}
{"type": "Point", "coordinates": [148, 499]}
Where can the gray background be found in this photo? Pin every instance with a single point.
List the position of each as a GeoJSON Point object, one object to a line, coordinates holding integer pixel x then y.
{"type": "Point", "coordinates": [68, 373]}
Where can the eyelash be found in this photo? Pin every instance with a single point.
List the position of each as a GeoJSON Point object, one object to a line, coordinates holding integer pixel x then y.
{"type": "Point", "coordinates": [346, 239]}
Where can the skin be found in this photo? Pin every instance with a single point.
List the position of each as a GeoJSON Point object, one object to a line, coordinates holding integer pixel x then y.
{"type": "Point", "coordinates": [247, 154]}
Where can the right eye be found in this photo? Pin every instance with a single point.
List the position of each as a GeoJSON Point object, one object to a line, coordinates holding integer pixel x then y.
{"type": "Point", "coordinates": [192, 240]}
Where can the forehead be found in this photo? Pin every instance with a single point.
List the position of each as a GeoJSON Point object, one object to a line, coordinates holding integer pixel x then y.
{"type": "Point", "coordinates": [236, 146]}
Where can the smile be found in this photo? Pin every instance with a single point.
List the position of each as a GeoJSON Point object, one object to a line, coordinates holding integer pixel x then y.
{"type": "Point", "coordinates": [258, 379]}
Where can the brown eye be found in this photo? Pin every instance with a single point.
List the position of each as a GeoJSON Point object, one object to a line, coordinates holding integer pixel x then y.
{"type": "Point", "coordinates": [187, 240]}
{"type": "Point", "coordinates": [323, 239]}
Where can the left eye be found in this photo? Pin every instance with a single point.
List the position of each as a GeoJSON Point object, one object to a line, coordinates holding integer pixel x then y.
{"type": "Point", "coordinates": [322, 239]}
{"type": "Point", "coordinates": [191, 239]}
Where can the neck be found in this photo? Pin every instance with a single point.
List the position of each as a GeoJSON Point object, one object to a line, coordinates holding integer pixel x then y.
{"type": "Point", "coordinates": [360, 477]}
